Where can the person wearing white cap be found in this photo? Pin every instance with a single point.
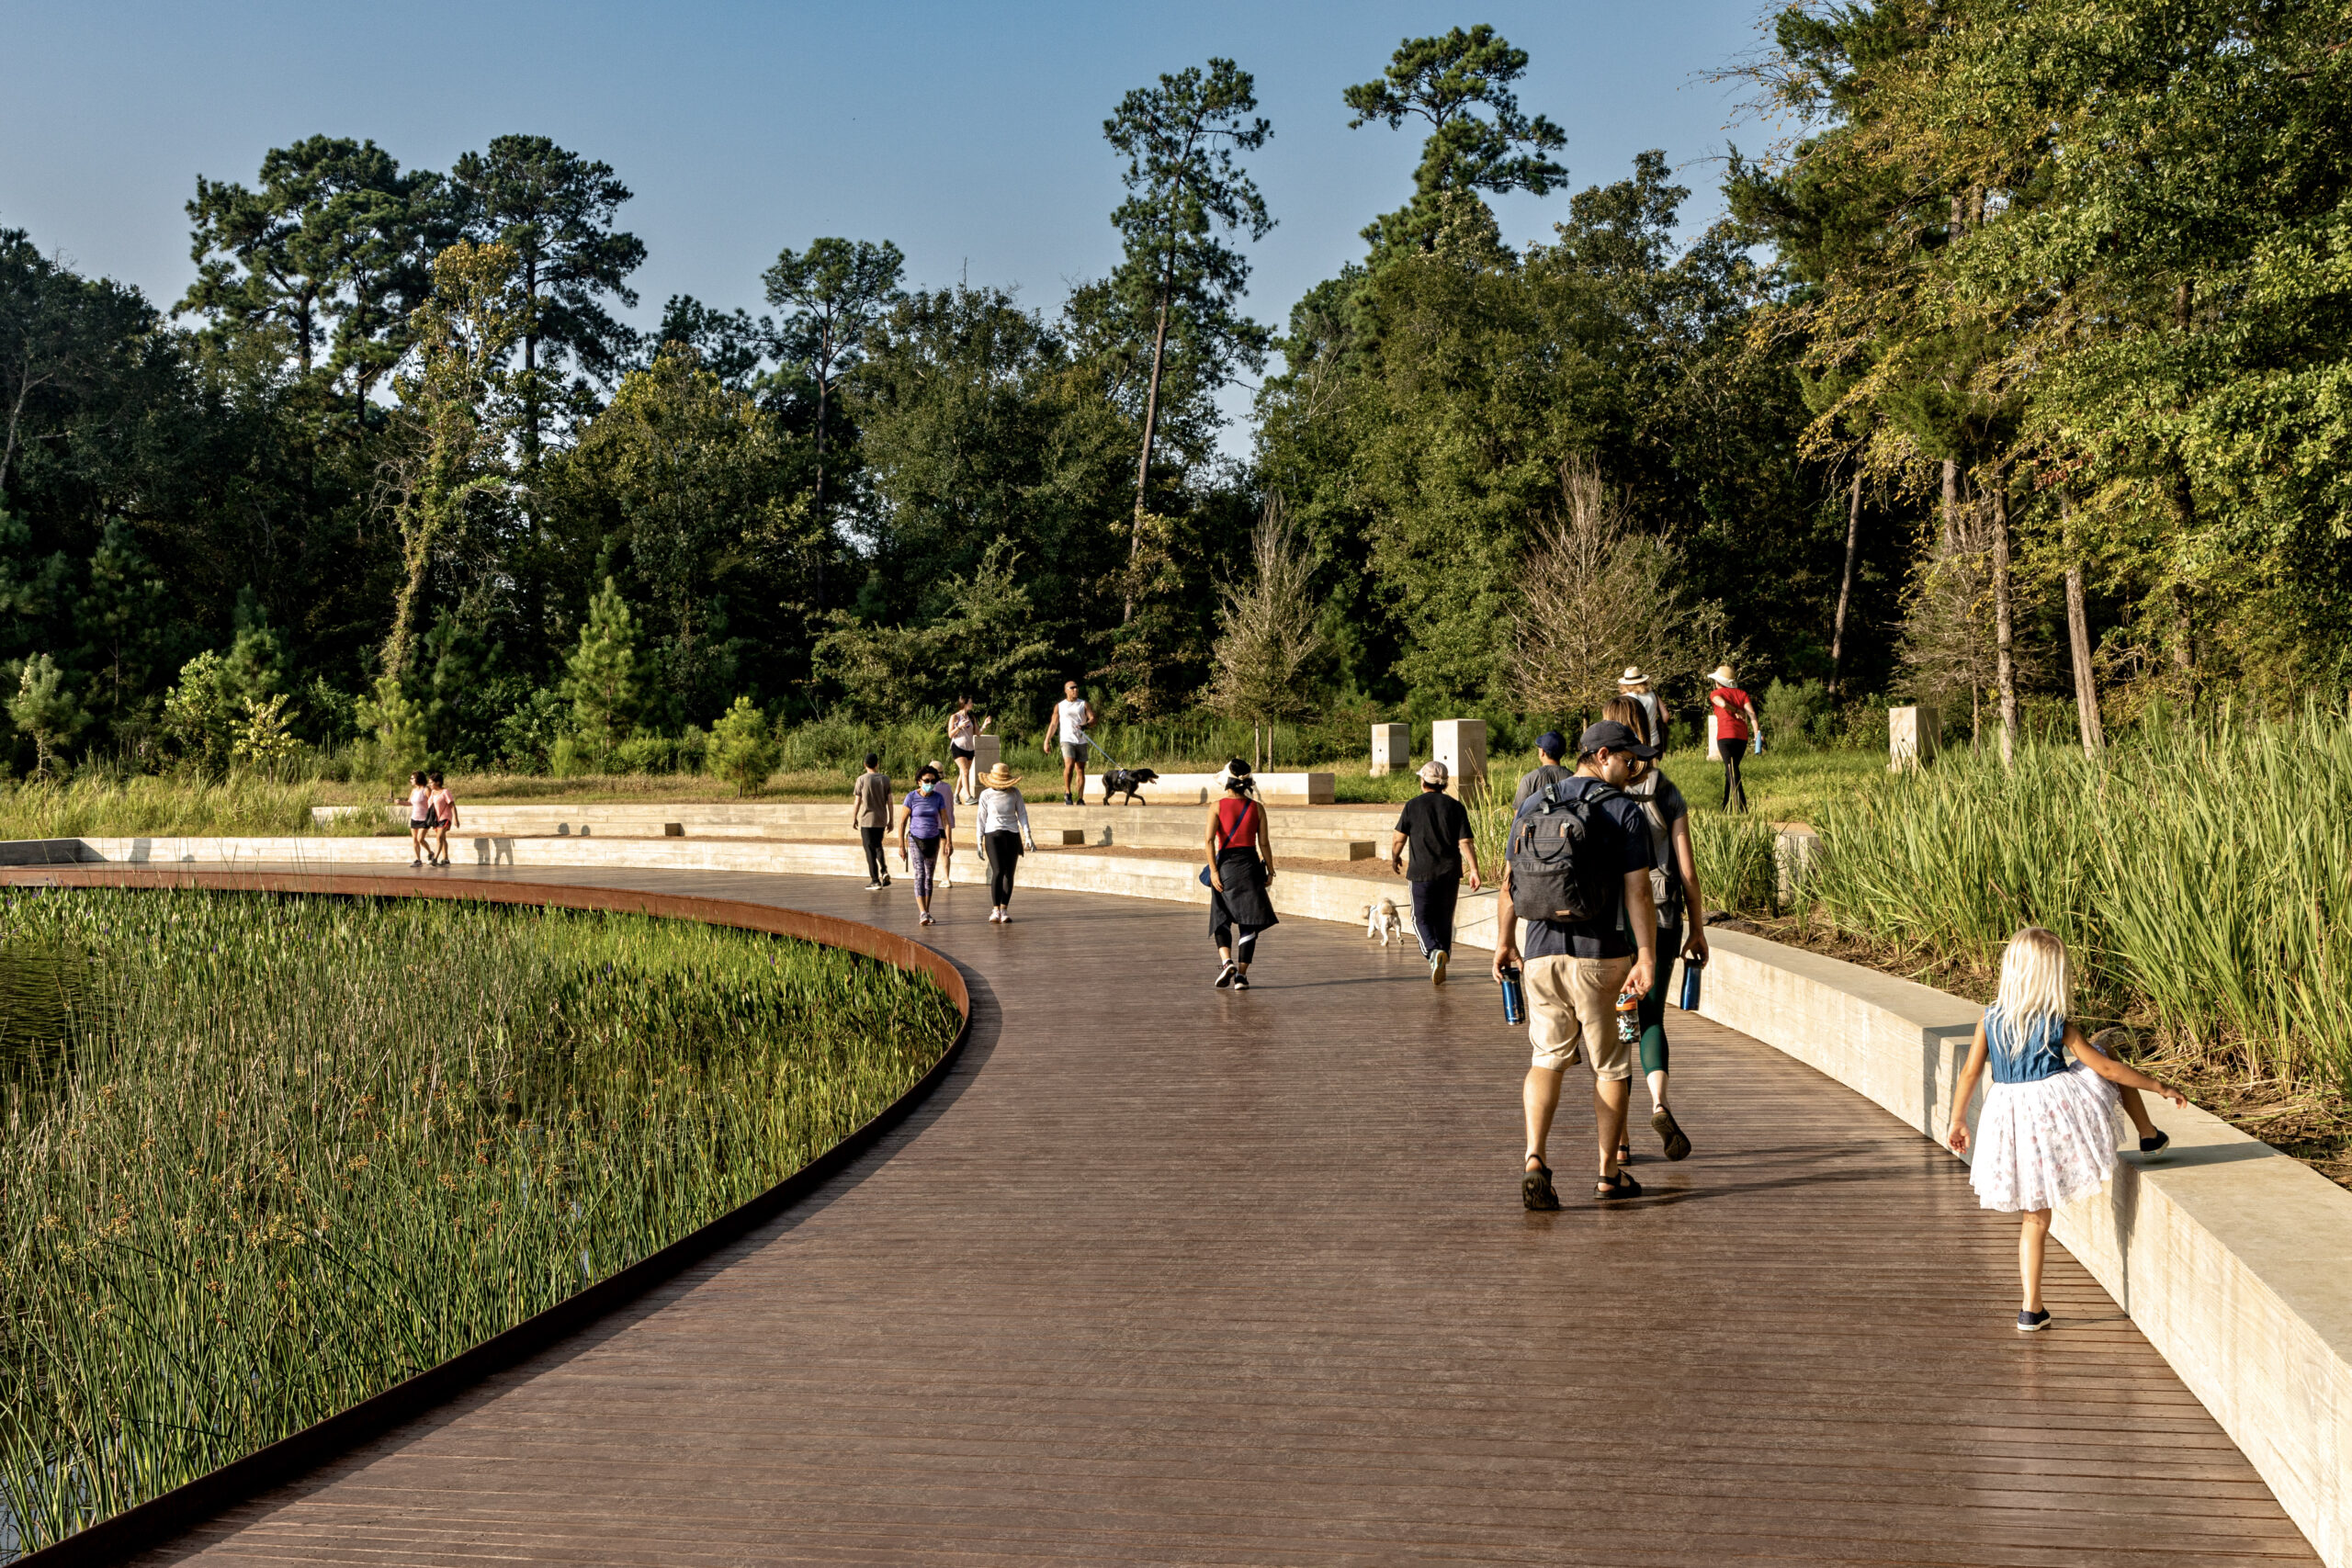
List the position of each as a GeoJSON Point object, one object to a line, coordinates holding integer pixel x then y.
{"type": "Point", "coordinates": [1731, 722]}
{"type": "Point", "coordinates": [1635, 684]}
{"type": "Point", "coordinates": [1437, 828]}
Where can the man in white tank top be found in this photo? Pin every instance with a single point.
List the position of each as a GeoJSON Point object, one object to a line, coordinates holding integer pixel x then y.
{"type": "Point", "coordinates": [1072, 716]}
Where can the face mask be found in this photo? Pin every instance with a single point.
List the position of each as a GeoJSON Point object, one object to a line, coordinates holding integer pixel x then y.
{"type": "Point", "coordinates": [925, 786]}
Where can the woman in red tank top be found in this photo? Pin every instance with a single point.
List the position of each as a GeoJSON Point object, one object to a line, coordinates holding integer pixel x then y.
{"type": "Point", "coordinates": [1735, 716]}
{"type": "Point", "coordinates": [1240, 864]}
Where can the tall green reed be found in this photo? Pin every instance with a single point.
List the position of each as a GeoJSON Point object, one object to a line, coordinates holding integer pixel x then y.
{"type": "Point", "coordinates": [2202, 868]}
{"type": "Point", "coordinates": [280, 1154]}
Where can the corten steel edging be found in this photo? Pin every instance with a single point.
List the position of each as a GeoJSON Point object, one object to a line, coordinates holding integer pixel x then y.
{"type": "Point", "coordinates": [150, 1523]}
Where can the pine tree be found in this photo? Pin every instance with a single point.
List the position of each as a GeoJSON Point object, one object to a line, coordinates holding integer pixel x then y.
{"type": "Point", "coordinates": [44, 709]}
{"type": "Point", "coordinates": [602, 673]}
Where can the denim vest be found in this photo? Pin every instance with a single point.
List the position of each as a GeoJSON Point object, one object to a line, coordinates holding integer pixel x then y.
{"type": "Point", "coordinates": [2042, 1055]}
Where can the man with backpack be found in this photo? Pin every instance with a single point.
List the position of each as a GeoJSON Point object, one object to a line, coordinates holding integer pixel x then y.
{"type": "Point", "coordinates": [1578, 860]}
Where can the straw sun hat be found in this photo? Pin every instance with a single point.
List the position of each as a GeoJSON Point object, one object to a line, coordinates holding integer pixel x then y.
{"type": "Point", "coordinates": [999, 777]}
{"type": "Point", "coordinates": [1721, 675]}
{"type": "Point", "coordinates": [1633, 676]}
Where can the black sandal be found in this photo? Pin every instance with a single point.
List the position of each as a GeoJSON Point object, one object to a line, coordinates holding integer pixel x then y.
{"type": "Point", "coordinates": [1618, 1186]}
{"type": "Point", "coordinates": [1535, 1189]}
{"type": "Point", "coordinates": [1662, 1123]}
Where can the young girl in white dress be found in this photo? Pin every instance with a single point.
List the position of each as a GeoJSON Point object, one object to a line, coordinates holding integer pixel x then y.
{"type": "Point", "coordinates": [2048, 1133]}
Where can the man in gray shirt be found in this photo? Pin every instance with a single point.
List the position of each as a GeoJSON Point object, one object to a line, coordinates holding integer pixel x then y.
{"type": "Point", "coordinates": [871, 811]}
{"type": "Point", "coordinates": [1550, 747]}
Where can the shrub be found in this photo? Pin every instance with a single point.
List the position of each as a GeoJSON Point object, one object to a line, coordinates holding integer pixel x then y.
{"type": "Point", "coordinates": [648, 754]}
{"type": "Point", "coordinates": [741, 750]}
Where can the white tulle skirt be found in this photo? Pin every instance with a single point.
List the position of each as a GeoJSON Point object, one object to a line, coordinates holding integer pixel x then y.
{"type": "Point", "coordinates": [2043, 1145]}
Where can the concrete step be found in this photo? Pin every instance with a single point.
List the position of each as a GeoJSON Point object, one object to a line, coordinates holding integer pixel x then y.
{"type": "Point", "coordinates": [1167, 827]}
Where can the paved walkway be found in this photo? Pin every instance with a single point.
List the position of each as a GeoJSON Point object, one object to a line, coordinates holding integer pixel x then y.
{"type": "Point", "coordinates": [1170, 1276]}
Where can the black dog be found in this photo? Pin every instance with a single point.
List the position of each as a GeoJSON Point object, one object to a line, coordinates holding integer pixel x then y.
{"type": "Point", "coordinates": [1126, 781]}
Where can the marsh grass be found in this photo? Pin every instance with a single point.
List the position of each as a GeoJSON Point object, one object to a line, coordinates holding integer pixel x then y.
{"type": "Point", "coordinates": [265, 1156]}
{"type": "Point", "coordinates": [165, 807]}
{"type": "Point", "coordinates": [2201, 873]}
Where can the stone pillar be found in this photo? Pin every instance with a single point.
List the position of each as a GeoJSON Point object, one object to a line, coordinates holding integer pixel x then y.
{"type": "Point", "coordinates": [1913, 735]}
{"type": "Point", "coordinates": [1392, 748]}
{"type": "Point", "coordinates": [987, 750]}
{"type": "Point", "coordinates": [1461, 745]}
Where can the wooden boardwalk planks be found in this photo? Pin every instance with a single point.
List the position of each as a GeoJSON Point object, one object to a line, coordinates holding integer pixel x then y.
{"type": "Point", "coordinates": [1172, 1276]}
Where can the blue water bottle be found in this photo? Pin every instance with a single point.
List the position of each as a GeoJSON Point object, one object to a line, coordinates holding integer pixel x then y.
{"type": "Point", "coordinates": [1691, 969]}
{"type": "Point", "coordinates": [1514, 996]}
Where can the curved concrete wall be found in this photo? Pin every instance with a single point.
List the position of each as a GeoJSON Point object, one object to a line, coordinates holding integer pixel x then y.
{"type": "Point", "coordinates": [2235, 1259]}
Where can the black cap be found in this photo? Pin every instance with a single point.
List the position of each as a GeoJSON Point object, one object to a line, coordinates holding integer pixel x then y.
{"type": "Point", "coordinates": [1552, 743]}
{"type": "Point", "coordinates": [1611, 735]}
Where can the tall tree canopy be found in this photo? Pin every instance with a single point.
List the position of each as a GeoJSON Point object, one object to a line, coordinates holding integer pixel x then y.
{"type": "Point", "coordinates": [1445, 80]}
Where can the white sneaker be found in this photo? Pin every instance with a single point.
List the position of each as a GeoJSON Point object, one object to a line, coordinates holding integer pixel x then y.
{"type": "Point", "coordinates": [873, 887]}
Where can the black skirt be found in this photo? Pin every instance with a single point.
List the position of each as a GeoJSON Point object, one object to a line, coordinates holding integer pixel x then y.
{"type": "Point", "coordinates": [1243, 902]}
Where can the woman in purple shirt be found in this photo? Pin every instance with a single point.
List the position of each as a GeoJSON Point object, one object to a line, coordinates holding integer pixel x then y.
{"type": "Point", "coordinates": [930, 817]}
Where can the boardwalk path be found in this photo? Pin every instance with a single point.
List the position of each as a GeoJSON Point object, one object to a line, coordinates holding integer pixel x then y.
{"type": "Point", "coordinates": [1170, 1276]}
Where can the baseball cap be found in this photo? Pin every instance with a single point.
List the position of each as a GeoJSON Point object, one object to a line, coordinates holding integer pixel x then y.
{"type": "Point", "coordinates": [1611, 735]}
{"type": "Point", "coordinates": [1552, 743]}
{"type": "Point", "coordinates": [1433, 772]}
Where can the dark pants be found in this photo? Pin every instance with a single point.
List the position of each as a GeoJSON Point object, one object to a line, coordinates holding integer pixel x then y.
{"type": "Point", "coordinates": [876, 868]}
{"type": "Point", "coordinates": [925, 859]}
{"type": "Point", "coordinates": [1003, 851]}
{"type": "Point", "coordinates": [1433, 903]}
{"type": "Point", "coordinates": [1735, 797]}
{"type": "Point", "coordinates": [1670, 942]}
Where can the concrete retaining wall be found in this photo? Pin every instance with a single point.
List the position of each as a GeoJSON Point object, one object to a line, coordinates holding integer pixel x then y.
{"type": "Point", "coordinates": [2235, 1259]}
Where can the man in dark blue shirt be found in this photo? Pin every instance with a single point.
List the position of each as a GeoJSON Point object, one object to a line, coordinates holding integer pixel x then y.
{"type": "Point", "coordinates": [1576, 970]}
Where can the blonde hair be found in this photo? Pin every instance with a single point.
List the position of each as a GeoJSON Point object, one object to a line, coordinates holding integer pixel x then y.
{"type": "Point", "coordinates": [2034, 983]}
{"type": "Point", "coordinates": [1628, 712]}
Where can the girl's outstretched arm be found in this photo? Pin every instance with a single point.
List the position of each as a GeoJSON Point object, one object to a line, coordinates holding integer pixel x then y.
{"type": "Point", "coordinates": [1965, 1091]}
{"type": "Point", "coordinates": [2115, 1072]}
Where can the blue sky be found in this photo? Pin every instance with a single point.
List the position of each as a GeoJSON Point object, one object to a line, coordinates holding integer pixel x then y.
{"type": "Point", "coordinates": [970, 134]}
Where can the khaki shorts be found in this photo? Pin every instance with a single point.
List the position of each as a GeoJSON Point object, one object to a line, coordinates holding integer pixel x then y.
{"type": "Point", "coordinates": [1572, 1001]}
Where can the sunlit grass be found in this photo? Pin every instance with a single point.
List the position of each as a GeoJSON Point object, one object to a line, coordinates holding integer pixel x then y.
{"type": "Point", "coordinates": [265, 1156]}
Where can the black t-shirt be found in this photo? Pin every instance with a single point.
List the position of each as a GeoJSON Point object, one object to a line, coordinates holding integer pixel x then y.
{"type": "Point", "coordinates": [1434, 824]}
{"type": "Point", "coordinates": [1603, 938]}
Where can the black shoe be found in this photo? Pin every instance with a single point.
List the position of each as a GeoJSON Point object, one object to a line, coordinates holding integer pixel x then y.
{"type": "Point", "coordinates": [1618, 1186]}
{"type": "Point", "coordinates": [2032, 1321]}
{"type": "Point", "coordinates": [2150, 1146]}
{"type": "Point", "coordinates": [1662, 1123]}
{"type": "Point", "coordinates": [1535, 1189]}
{"type": "Point", "coordinates": [1225, 978]}
{"type": "Point", "coordinates": [1240, 981]}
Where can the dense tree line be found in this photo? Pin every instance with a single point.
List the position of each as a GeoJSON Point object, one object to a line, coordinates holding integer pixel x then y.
{"type": "Point", "coordinates": [2019, 373]}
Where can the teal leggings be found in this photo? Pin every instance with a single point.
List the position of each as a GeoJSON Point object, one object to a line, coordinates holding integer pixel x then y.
{"type": "Point", "coordinates": [1653, 1014]}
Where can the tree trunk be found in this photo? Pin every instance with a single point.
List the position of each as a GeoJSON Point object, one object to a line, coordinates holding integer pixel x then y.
{"type": "Point", "coordinates": [2078, 641]}
{"type": "Point", "coordinates": [1846, 583]}
{"type": "Point", "coordinates": [824, 528]}
{"type": "Point", "coordinates": [1151, 425]}
{"type": "Point", "coordinates": [2004, 670]}
{"type": "Point", "coordinates": [1952, 507]}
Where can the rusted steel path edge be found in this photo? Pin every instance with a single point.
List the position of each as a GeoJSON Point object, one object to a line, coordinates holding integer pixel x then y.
{"type": "Point", "coordinates": [160, 1518]}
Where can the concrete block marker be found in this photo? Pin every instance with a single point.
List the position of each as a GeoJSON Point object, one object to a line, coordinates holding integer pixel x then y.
{"type": "Point", "coordinates": [1913, 736]}
{"type": "Point", "coordinates": [1392, 749]}
{"type": "Point", "coordinates": [1461, 745]}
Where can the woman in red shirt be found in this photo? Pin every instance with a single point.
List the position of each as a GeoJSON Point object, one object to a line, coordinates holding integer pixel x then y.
{"type": "Point", "coordinates": [1240, 864]}
{"type": "Point", "coordinates": [1734, 723]}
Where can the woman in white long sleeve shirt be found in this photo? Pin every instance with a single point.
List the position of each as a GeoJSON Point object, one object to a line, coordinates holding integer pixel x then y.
{"type": "Point", "coordinates": [1004, 825]}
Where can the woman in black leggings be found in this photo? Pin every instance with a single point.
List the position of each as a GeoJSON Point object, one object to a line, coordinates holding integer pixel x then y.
{"type": "Point", "coordinates": [1241, 862]}
{"type": "Point", "coordinates": [1735, 722]}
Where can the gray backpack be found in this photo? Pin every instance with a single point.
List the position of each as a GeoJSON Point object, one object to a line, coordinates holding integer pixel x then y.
{"type": "Point", "coordinates": [1563, 856]}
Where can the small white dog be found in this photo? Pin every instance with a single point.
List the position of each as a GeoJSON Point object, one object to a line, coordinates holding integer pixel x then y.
{"type": "Point", "coordinates": [1382, 920]}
